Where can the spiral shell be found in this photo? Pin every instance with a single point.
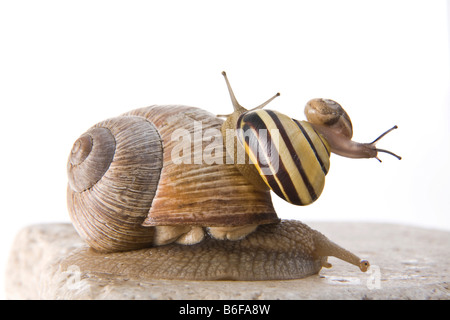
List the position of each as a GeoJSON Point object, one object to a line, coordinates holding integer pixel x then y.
{"type": "Point", "coordinates": [123, 180]}
{"type": "Point", "coordinates": [329, 113]}
{"type": "Point", "coordinates": [114, 169]}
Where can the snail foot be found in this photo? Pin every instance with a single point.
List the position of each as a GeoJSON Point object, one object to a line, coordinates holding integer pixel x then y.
{"type": "Point", "coordinates": [195, 235]}
{"type": "Point", "coordinates": [231, 233]}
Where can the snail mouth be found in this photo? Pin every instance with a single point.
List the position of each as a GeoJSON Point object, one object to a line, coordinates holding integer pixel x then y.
{"type": "Point", "coordinates": [90, 158]}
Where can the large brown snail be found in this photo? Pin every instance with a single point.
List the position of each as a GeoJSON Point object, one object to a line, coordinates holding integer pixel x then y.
{"type": "Point", "coordinates": [171, 179]}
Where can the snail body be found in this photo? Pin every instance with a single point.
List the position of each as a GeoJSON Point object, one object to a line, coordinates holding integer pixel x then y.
{"type": "Point", "coordinates": [279, 251]}
{"type": "Point", "coordinates": [164, 176]}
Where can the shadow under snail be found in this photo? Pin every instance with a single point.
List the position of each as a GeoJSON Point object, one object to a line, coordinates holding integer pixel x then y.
{"type": "Point", "coordinates": [175, 192]}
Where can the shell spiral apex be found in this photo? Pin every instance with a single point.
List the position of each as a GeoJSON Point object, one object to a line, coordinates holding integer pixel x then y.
{"type": "Point", "coordinates": [91, 156]}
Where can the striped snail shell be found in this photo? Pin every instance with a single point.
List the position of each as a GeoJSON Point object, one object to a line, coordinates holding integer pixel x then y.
{"type": "Point", "coordinates": [288, 156]}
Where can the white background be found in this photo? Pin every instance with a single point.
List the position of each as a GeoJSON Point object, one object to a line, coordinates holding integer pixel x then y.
{"type": "Point", "coordinates": [66, 65]}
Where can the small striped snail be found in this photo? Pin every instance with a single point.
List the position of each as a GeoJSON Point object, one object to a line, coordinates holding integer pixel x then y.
{"type": "Point", "coordinates": [292, 157]}
{"type": "Point", "coordinates": [150, 187]}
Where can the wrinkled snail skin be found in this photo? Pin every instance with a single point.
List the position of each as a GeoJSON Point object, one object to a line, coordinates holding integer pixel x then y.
{"type": "Point", "coordinates": [282, 251]}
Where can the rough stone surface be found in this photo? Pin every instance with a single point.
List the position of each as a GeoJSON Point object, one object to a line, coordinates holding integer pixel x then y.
{"type": "Point", "coordinates": [407, 263]}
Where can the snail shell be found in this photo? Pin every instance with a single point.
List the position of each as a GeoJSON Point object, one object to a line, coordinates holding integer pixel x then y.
{"type": "Point", "coordinates": [329, 113]}
{"type": "Point", "coordinates": [122, 180]}
{"type": "Point", "coordinates": [104, 178]}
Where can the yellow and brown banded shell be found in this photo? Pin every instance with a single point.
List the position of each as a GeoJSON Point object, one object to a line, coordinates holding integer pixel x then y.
{"type": "Point", "coordinates": [290, 156]}
{"type": "Point", "coordinates": [123, 180]}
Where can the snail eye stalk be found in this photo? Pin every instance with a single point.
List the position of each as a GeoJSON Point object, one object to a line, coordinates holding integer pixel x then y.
{"type": "Point", "coordinates": [383, 150]}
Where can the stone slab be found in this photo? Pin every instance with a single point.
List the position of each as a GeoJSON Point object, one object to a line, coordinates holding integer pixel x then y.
{"type": "Point", "coordinates": [407, 263]}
